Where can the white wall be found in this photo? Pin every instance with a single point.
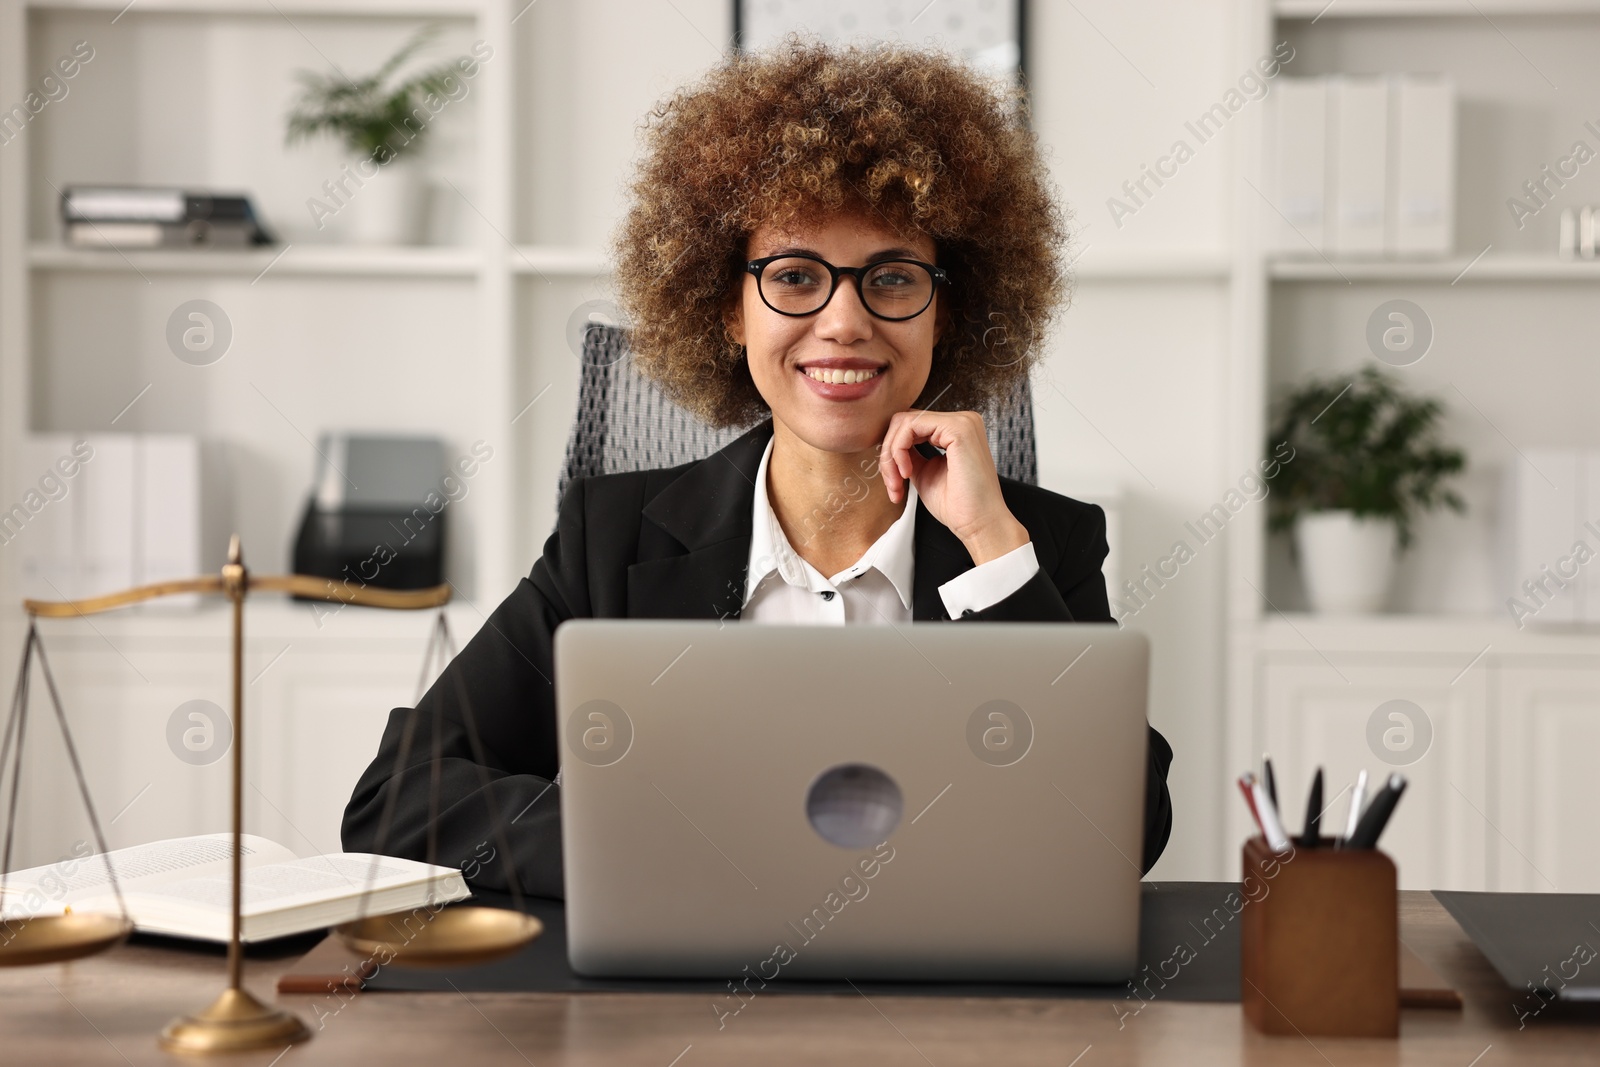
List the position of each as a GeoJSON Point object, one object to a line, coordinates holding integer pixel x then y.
{"type": "Point", "coordinates": [590, 72]}
{"type": "Point", "coordinates": [1131, 394]}
{"type": "Point", "coordinates": [1130, 402]}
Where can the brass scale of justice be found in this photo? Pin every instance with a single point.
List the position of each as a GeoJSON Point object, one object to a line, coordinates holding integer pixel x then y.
{"type": "Point", "coordinates": [455, 936]}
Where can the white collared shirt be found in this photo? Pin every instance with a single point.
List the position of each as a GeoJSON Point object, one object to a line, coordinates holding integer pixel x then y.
{"type": "Point", "coordinates": [783, 587]}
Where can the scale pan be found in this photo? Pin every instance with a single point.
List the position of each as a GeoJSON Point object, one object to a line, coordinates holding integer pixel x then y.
{"type": "Point", "coordinates": [454, 937]}
{"type": "Point", "coordinates": [54, 938]}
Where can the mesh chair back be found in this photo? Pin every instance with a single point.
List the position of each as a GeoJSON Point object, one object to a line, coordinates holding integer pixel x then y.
{"type": "Point", "coordinates": [624, 423]}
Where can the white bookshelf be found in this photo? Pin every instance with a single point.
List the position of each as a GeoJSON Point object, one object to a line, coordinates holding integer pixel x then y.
{"type": "Point", "coordinates": [1444, 634]}
{"type": "Point", "coordinates": [464, 347]}
{"type": "Point", "coordinates": [1457, 270]}
{"type": "Point", "coordinates": [1312, 306]}
{"type": "Point", "coordinates": [1477, 9]}
{"type": "Point", "coordinates": [550, 260]}
{"type": "Point", "coordinates": [280, 260]}
{"type": "Point", "coordinates": [1508, 313]}
{"type": "Point", "coordinates": [445, 338]}
{"type": "Point", "coordinates": [370, 8]}
{"type": "Point", "coordinates": [354, 261]}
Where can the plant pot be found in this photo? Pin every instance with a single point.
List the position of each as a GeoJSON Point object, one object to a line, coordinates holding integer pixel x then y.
{"type": "Point", "coordinates": [1347, 562]}
{"type": "Point", "coordinates": [387, 209]}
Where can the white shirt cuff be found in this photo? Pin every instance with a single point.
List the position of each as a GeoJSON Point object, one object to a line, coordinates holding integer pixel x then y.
{"type": "Point", "coordinates": [987, 584]}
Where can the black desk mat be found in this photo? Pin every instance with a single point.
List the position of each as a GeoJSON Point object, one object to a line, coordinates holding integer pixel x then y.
{"type": "Point", "coordinates": [1182, 956]}
{"type": "Point", "coordinates": [1537, 941]}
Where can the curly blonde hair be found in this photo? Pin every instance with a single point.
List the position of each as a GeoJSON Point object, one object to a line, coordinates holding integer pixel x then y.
{"type": "Point", "coordinates": [807, 131]}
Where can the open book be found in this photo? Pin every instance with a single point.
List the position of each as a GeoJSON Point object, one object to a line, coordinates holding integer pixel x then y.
{"type": "Point", "coordinates": [181, 887]}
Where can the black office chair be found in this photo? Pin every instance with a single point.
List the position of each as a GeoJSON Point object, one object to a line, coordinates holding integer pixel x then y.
{"type": "Point", "coordinates": [624, 423]}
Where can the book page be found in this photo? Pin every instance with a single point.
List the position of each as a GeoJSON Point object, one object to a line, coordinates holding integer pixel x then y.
{"type": "Point", "coordinates": [277, 886]}
{"type": "Point", "coordinates": [73, 879]}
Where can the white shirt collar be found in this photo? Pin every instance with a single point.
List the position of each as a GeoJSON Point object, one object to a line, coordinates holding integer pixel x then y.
{"type": "Point", "coordinates": [891, 554]}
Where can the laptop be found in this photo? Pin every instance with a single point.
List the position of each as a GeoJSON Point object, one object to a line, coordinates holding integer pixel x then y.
{"type": "Point", "coordinates": [900, 802]}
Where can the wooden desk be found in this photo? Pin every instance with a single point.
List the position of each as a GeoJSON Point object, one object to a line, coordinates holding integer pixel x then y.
{"type": "Point", "coordinates": [108, 1010]}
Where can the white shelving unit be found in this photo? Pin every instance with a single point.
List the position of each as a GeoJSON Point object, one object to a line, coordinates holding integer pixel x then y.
{"type": "Point", "coordinates": [1453, 271]}
{"type": "Point", "coordinates": [352, 261]}
{"type": "Point", "coordinates": [428, 338]}
{"type": "Point", "coordinates": [1153, 399]}
{"type": "Point", "coordinates": [1371, 9]}
{"type": "Point", "coordinates": [142, 43]}
{"type": "Point", "coordinates": [1496, 801]}
{"type": "Point", "coordinates": [370, 8]}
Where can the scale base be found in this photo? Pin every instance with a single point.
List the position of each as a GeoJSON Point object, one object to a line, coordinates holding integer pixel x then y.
{"type": "Point", "coordinates": [235, 1022]}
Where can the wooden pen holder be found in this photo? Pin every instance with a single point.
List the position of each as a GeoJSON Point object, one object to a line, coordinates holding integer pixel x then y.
{"type": "Point", "coordinates": [1320, 941]}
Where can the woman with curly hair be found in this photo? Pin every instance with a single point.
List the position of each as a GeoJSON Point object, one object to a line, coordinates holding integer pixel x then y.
{"type": "Point", "coordinates": [851, 249]}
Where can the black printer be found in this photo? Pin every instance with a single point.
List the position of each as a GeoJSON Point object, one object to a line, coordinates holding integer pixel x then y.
{"type": "Point", "coordinates": [377, 512]}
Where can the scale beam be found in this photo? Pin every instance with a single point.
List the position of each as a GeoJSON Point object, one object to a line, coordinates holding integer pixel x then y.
{"type": "Point", "coordinates": [303, 585]}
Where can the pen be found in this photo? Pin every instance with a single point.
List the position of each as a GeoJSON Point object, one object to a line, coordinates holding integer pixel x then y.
{"type": "Point", "coordinates": [1311, 837]}
{"type": "Point", "coordinates": [1247, 783]}
{"type": "Point", "coordinates": [1267, 815]}
{"type": "Point", "coordinates": [1269, 778]}
{"type": "Point", "coordinates": [1358, 796]}
{"type": "Point", "coordinates": [1377, 813]}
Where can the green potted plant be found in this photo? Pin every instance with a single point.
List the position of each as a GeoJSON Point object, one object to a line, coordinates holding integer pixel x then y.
{"type": "Point", "coordinates": [1367, 463]}
{"type": "Point", "coordinates": [383, 123]}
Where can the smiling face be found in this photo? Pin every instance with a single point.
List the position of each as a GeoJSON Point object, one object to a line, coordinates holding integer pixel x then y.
{"type": "Point", "coordinates": [834, 378]}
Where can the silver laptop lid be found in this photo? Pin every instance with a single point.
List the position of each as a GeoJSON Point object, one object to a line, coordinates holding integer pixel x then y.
{"type": "Point", "coordinates": [888, 802]}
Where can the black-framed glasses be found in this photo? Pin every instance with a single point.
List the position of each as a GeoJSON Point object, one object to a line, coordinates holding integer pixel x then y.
{"type": "Point", "coordinates": [891, 289]}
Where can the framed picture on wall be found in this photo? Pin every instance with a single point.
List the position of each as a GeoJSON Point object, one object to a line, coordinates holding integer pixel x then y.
{"type": "Point", "coordinates": [989, 33]}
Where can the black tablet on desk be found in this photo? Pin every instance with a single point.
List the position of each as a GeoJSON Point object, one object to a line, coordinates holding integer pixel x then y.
{"type": "Point", "coordinates": [1544, 944]}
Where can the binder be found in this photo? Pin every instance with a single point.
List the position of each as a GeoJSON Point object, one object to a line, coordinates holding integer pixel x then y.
{"type": "Point", "coordinates": [106, 515]}
{"type": "Point", "coordinates": [169, 508]}
{"type": "Point", "coordinates": [1588, 580]}
{"type": "Point", "coordinates": [41, 519]}
{"type": "Point", "coordinates": [1422, 142]}
{"type": "Point", "coordinates": [1359, 147]}
{"type": "Point", "coordinates": [1296, 220]}
{"type": "Point", "coordinates": [1546, 509]}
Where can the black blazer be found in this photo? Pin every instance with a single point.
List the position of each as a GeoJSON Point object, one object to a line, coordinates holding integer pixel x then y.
{"type": "Point", "coordinates": [670, 543]}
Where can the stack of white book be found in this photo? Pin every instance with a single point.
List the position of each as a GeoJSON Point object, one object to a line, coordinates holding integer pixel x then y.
{"type": "Point", "coordinates": [181, 887]}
